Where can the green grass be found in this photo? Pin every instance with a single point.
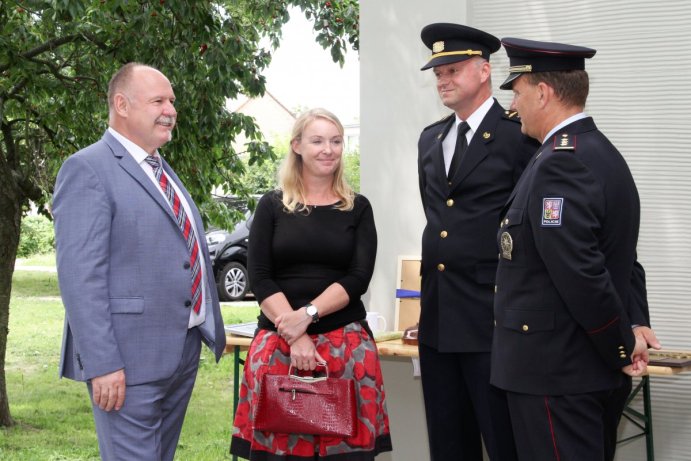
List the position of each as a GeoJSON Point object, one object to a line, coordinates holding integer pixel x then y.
{"type": "Point", "coordinates": [46, 260]}
{"type": "Point", "coordinates": [28, 286]}
{"type": "Point", "coordinates": [53, 416]}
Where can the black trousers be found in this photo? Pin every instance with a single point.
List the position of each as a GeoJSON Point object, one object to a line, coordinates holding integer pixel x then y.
{"type": "Point", "coordinates": [567, 427]}
{"type": "Point", "coordinates": [463, 409]}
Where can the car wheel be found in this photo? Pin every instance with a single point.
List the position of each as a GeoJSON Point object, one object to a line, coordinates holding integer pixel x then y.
{"type": "Point", "coordinates": [232, 282]}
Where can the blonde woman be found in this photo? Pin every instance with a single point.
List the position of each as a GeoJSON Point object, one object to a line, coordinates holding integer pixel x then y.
{"type": "Point", "coordinates": [311, 256]}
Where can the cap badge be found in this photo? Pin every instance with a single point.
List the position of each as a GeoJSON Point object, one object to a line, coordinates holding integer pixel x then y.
{"type": "Point", "coordinates": [506, 245]}
{"type": "Point", "coordinates": [520, 69]}
{"type": "Point", "coordinates": [438, 47]}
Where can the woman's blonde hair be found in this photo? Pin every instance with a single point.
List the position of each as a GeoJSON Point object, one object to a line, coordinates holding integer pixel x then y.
{"type": "Point", "coordinates": [290, 175]}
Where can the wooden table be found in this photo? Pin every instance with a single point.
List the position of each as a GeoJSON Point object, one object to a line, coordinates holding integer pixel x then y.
{"type": "Point", "coordinates": [396, 348]}
{"type": "Point", "coordinates": [644, 421]}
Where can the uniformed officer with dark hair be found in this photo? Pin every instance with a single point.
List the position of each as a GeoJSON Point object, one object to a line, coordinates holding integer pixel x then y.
{"type": "Point", "coordinates": [465, 178]}
{"type": "Point", "coordinates": [571, 314]}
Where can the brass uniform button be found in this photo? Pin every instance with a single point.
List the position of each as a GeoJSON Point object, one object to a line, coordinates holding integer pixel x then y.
{"type": "Point", "coordinates": [495, 288]}
{"type": "Point", "coordinates": [449, 183]}
{"type": "Point", "coordinates": [449, 202]}
{"type": "Point", "coordinates": [525, 327]}
{"type": "Point", "coordinates": [443, 234]}
{"type": "Point", "coordinates": [441, 267]}
{"type": "Point", "coordinates": [495, 323]}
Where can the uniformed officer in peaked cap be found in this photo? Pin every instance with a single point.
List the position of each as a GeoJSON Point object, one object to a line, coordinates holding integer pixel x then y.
{"type": "Point", "coordinates": [454, 43]}
{"type": "Point", "coordinates": [465, 178]}
{"type": "Point", "coordinates": [529, 56]}
{"type": "Point", "coordinates": [570, 308]}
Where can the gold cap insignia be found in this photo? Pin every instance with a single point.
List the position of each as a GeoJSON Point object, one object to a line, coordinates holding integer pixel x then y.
{"type": "Point", "coordinates": [438, 47]}
{"type": "Point", "coordinates": [520, 69]}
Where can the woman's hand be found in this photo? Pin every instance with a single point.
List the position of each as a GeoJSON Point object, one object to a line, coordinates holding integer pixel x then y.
{"type": "Point", "coordinates": [303, 354]}
{"type": "Point", "coordinates": [292, 325]}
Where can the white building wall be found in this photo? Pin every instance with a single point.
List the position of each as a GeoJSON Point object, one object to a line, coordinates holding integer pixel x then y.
{"type": "Point", "coordinates": [639, 98]}
{"type": "Point", "coordinates": [397, 101]}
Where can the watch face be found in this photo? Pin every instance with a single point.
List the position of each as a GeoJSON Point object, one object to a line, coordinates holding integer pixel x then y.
{"type": "Point", "coordinates": [312, 312]}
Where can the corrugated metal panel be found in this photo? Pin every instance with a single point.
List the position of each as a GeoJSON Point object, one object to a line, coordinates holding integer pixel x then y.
{"type": "Point", "coordinates": [640, 99]}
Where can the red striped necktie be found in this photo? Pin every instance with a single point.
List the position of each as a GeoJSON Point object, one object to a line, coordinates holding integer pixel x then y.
{"type": "Point", "coordinates": [185, 226]}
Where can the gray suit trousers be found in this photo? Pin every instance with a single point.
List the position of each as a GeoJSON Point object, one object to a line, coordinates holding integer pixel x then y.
{"type": "Point", "coordinates": [148, 426]}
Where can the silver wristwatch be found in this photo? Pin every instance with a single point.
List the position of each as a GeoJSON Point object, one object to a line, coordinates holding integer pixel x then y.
{"type": "Point", "coordinates": [311, 310]}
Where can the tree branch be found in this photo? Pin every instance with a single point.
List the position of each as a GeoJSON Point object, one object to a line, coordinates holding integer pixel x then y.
{"type": "Point", "coordinates": [50, 45]}
{"type": "Point", "coordinates": [47, 46]}
{"type": "Point", "coordinates": [57, 42]}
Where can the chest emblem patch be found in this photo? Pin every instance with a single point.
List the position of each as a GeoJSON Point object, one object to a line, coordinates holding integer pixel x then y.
{"type": "Point", "coordinates": [506, 245]}
{"type": "Point", "coordinates": [552, 211]}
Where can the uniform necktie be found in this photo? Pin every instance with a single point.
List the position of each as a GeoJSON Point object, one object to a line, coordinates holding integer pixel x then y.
{"type": "Point", "coordinates": [185, 226]}
{"type": "Point", "coordinates": [459, 150]}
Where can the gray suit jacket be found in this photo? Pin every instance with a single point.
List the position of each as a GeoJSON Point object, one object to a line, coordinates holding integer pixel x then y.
{"type": "Point", "coordinates": [123, 269]}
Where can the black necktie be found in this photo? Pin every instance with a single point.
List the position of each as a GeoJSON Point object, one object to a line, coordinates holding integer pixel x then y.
{"type": "Point", "coordinates": [459, 150]}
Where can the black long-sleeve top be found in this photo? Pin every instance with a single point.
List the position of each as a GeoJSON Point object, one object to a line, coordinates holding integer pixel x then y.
{"type": "Point", "coordinates": [301, 254]}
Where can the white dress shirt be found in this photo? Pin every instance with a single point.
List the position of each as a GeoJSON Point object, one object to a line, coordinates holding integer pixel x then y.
{"type": "Point", "coordinates": [449, 143]}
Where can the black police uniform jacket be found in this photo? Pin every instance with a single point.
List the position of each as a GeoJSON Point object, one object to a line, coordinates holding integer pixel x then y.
{"type": "Point", "coordinates": [459, 251]}
{"type": "Point", "coordinates": [567, 265]}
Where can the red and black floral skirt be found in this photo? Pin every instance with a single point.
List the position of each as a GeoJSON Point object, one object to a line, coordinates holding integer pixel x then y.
{"type": "Point", "coordinates": [350, 352]}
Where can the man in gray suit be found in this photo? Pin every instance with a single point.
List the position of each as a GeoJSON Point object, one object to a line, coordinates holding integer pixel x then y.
{"type": "Point", "coordinates": [134, 273]}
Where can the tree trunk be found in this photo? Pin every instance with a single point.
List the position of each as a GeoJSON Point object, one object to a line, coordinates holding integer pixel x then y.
{"type": "Point", "coordinates": [10, 225]}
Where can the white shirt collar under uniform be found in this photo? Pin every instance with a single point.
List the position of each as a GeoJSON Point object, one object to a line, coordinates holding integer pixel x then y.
{"type": "Point", "coordinates": [568, 121]}
{"type": "Point", "coordinates": [474, 121]}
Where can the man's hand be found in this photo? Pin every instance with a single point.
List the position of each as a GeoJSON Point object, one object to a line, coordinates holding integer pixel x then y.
{"type": "Point", "coordinates": [647, 335]}
{"type": "Point", "coordinates": [639, 358]}
{"type": "Point", "coordinates": [109, 390]}
{"type": "Point", "coordinates": [636, 369]}
{"type": "Point", "coordinates": [645, 338]}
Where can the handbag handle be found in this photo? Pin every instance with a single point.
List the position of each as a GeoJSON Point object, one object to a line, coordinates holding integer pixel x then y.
{"type": "Point", "coordinates": [309, 379]}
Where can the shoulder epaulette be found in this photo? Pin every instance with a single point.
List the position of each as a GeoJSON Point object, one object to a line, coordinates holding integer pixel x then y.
{"type": "Point", "coordinates": [443, 120]}
{"type": "Point", "coordinates": [512, 115]}
{"type": "Point", "coordinates": [564, 141]}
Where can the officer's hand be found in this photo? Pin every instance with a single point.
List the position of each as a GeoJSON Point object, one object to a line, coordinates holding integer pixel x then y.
{"type": "Point", "coordinates": [636, 369]}
{"type": "Point", "coordinates": [639, 359]}
{"type": "Point", "coordinates": [648, 335]}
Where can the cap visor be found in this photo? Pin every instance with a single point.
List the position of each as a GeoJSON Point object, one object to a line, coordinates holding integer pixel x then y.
{"type": "Point", "coordinates": [441, 60]}
{"type": "Point", "coordinates": [508, 83]}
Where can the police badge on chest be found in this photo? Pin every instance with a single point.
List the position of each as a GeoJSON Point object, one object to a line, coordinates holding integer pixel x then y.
{"type": "Point", "coordinates": [506, 245]}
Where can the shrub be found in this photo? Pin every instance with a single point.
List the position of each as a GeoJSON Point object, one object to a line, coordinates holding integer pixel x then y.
{"type": "Point", "coordinates": [37, 236]}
